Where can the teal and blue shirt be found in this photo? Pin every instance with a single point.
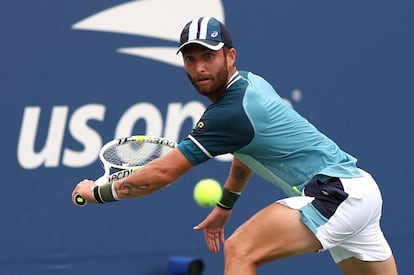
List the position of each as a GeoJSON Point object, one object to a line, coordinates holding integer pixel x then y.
{"type": "Point", "coordinates": [252, 122]}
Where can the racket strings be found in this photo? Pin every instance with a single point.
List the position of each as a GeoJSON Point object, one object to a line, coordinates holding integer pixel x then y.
{"type": "Point", "coordinates": [134, 154]}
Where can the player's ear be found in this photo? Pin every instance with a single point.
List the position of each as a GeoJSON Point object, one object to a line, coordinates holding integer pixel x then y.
{"type": "Point", "coordinates": [231, 56]}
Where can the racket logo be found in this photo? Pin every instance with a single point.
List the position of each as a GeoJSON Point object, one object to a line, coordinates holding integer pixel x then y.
{"type": "Point", "coordinates": [162, 141]}
{"type": "Point", "coordinates": [123, 140]}
{"type": "Point", "coordinates": [119, 175]}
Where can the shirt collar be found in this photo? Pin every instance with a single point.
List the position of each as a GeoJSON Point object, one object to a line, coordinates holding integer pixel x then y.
{"type": "Point", "coordinates": [236, 76]}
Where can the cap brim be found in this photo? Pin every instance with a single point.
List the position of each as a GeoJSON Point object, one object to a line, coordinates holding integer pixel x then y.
{"type": "Point", "coordinates": [212, 45]}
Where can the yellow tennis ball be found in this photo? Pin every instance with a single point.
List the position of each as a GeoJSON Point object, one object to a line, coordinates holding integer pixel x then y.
{"type": "Point", "coordinates": [207, 192]}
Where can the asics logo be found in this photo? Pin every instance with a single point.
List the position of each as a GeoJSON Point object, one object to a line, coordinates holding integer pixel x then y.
{"type": "Point", "coordinates": [214, 34]}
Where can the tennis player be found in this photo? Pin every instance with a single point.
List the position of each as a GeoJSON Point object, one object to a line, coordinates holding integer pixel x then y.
{"type": "Point", "coordinates": [331, 204]}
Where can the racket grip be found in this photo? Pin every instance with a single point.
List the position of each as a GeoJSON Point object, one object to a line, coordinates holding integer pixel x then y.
{"type": "Point", "coordinates": [79, 200]}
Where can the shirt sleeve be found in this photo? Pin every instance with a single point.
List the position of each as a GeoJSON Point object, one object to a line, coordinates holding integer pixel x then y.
{"type": "Point", "coordinates": [223, 128]}
{"type": "Point", "coordinates": [193, 153]}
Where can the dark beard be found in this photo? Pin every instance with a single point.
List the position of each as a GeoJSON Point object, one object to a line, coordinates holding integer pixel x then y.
{"type": "Point", "coordinates": [220, 82]}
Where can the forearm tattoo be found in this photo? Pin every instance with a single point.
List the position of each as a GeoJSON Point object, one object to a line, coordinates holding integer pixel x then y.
{"type": "Point", "coordinates": [129, 188]}
{"type": "Point", "coordinates": [239, 173]}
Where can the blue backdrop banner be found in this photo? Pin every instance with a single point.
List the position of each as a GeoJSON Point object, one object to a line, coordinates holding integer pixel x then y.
{"type": "Point", "coordinates": [75, 74]}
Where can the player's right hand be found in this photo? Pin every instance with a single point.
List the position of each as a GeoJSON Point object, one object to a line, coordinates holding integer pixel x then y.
{"type": "Point", "coordinates": [85, 189]}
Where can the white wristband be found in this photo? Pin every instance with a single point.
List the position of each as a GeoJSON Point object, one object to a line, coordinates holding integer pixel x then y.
{"type": "Point", "coordinates": [114, 194]}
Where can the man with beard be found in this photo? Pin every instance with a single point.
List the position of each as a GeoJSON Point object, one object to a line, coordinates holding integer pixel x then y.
{"type": "Point", "coordinates": [331, 205]}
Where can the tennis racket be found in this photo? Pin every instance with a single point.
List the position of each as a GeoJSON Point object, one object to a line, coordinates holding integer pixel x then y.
{"type": "Point", "coordinates": [126, 155]}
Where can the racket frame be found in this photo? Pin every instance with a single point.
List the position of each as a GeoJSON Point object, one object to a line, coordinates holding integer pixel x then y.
{"type": "Point", "coordinates": [122, 171]}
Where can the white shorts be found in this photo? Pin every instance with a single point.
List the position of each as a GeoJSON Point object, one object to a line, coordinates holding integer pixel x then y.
{"type": "Point", "coordinates": [350, 227]}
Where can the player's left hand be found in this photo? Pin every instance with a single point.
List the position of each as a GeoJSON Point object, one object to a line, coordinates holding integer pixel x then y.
{"type": "Point", "coordinates": [213, 226]}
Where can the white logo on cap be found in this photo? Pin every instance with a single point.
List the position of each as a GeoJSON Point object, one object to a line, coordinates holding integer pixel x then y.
{"type": "Point", "coordinates": [214, 34]}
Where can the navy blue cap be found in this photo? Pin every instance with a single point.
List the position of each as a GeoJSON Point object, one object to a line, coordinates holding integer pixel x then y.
{"type": "Point", "coordinates": [205, 31]}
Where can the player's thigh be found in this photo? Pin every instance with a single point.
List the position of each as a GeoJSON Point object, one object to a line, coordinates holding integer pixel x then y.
{"type": "Point", "coordinates": [274, 232]}
{"type": "Point", "coordinates": [354, 266]}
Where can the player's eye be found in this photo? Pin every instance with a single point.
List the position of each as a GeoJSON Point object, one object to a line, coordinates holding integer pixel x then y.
{"type": "Point", "coordinates": [208, 56]}
{"type": "Point", "coordinates": [188, 58]}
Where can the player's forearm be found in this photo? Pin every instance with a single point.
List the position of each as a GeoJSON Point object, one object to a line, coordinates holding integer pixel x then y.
{"type": "Point", "coordinates": [236, 181]}
{"type": "Point", "coordinates": [238, 177]}
{"type": "Point", "coordinates": [153, 176]}
{"type": "Point", "coordinates": [145, 181]}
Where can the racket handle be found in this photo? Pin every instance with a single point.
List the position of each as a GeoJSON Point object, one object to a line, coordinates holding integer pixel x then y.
{"type": "Point", "coordinates": [79, 200]}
